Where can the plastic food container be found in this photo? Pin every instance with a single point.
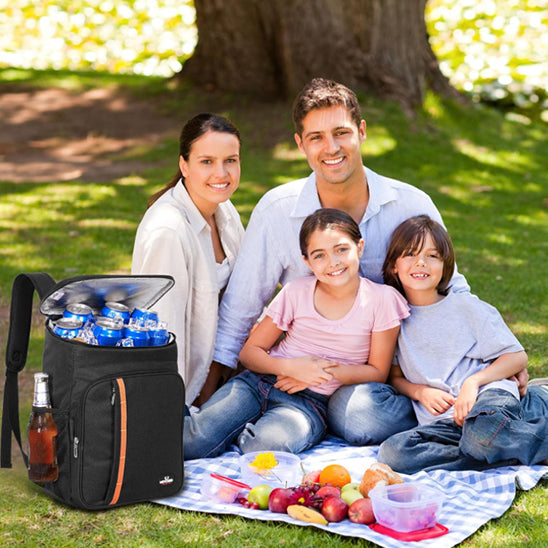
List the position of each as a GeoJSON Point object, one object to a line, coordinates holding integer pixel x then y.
{"type": "Point", "coordinates": [222, 489]}
{"type": "Point", "coordinates": [406, 507]}
{"type": "Point", "coordinates": [285, 470]}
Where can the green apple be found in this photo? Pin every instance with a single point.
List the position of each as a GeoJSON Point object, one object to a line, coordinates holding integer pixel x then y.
{"type": "Point", "coordinates": [259, 495]}
{"type": "Point", "coordinates": [355, 486]}
{"type": "Point", "coordinates": [351, 495]}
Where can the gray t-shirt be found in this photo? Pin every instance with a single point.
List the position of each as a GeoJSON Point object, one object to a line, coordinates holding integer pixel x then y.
{"type": "Point", "coordinates": [442, 344]}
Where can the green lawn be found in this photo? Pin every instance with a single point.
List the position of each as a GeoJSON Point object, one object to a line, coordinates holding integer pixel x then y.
{"type": "Point", "coordinates": [487, 173]}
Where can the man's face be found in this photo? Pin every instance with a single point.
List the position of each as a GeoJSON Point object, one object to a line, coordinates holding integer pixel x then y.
{"type": "Point", "coordinates": [331, 143]}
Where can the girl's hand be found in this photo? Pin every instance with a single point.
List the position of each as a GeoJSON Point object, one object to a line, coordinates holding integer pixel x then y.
{"type": "Point", "coordinates": [435, 400]}
{"type": "Point", "coordinates": [465, 400]}
{"type": "Point", "coordinates": [310, 370]}
{"type": "Point", "coordinates": [289, 384]}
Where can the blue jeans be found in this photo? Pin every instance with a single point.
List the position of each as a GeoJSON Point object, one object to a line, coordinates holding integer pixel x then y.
{"type": "Point", "coordinates": [248, 410]}
{"type": "Point", "coordinates": [499, 430]}
{"type": "Point", "coordinates": [367, 414]}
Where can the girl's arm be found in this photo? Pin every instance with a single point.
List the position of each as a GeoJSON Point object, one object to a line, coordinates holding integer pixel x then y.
{"type": "Point", "coordinates": [383, 344]}
{"type": "Point", "coordinates": [255, 357]}
{"type": "Point", "coordinates": [506, 365]}
{"type": "Point", "coordinates": [436, 401]}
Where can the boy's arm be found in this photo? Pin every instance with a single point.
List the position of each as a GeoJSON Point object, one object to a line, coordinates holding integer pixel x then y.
{"type": "Point", "coordinates": [255, 356]}
{"type": "Point", "coordinates": [434, 400]}
{"type": "Point", "coordinates": [505, 366]}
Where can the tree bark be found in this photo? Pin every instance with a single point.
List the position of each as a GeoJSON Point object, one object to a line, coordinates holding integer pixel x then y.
{"type": "Point", "coordinates": [272, 48]}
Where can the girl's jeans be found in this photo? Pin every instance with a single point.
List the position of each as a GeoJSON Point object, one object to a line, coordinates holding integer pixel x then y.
{"type": "Point", "coordinates": [499, 430]}
{"type": "Point", "coordinates": [250, 411]}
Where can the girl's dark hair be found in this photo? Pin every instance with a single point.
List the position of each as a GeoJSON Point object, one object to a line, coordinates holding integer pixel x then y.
{"type": "Point", "coordinates": [323, 93]}
{"type": "Point", "coordinates": [409, 237]}
{"type": "Point", "coordinates": [324, 219]}
{"type": "Point", "coordinates": [192, 130]}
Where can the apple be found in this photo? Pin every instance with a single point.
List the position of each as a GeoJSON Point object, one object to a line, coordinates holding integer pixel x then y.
{"type": "Point", "coordinates": [279, 499]}
{"type": "Point", "coordinates": [259, 495]}
{"type": "Point", "coordinates": [328, 491]}
{"type": "Point", "coordinates": [350, 495]}
{"type": "Point", "coordinates": [347, 486]}
{"type": "Point", "coordinates": [334, 509]}
{"type": "Point", "coordinates": [361, 511]}
{"type": "Point", "coordinates": [312, 477]}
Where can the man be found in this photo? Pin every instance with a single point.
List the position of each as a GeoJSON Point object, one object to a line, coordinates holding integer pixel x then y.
{"type": "Point", "coordinates": [329, 131]}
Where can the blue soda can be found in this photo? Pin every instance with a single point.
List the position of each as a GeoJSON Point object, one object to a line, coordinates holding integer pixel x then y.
{"type": "Point", "coordinates": [138, 334]}
{"type": "Point", "coordinates": [116, 310]}
{"type": "Point", "coordinates": [107, 331]}
{"type": "Point", "coordinates": [141, 316]}
{"type": "Point", "coordinates": [80, 311]}
{"type": "Point", "coordinates": [67, 328]}
{"type": "Point", "coordinates": [158, 334]}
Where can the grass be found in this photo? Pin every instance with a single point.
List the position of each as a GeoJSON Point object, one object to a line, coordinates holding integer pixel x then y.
{"type": "Point", "coordinates": [487, 173]}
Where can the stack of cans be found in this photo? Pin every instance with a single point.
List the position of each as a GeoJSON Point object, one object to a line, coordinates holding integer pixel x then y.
{"type": "Point", "coordinates": [116, 326]}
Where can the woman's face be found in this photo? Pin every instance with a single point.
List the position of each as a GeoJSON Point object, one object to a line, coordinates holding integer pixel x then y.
{"type": "Point", "coordinates": [212, 171]}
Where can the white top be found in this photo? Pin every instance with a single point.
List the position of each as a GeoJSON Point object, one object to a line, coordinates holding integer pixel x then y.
{"type": "Point", "coordinates": [270, 252]}
{"type": "Point", "coordinates": [442, 344]}
{"type": "Point", "coordinates": [173, 238]}
{"type": "Point", "coordinates": [223, 273]}
{"type": "Point", "coordinates": [377, 307]}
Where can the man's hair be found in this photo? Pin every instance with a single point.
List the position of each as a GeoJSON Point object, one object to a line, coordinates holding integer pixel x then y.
{"type": "Point", "coordinates": [322, 93]}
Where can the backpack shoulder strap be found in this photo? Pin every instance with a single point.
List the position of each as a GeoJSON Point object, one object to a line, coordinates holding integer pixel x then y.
{"type": "Point", "coordinates": [22, 293]}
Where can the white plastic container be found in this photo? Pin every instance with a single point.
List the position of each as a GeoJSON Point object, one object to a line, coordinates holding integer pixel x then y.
{"type": "Point", "coordinates": [286, 473]}
{"type": "Point", "coordinates": [406, 507]}
{"type": "Point", "coordinates": [222, 489]}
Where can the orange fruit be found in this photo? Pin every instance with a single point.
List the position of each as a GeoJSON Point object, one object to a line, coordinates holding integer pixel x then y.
{"type": "Point", "coordinates": [336, 475]}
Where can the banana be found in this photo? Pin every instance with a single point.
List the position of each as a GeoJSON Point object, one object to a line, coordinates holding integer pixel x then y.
{"type": "Point", "coordinates": [303, 513]}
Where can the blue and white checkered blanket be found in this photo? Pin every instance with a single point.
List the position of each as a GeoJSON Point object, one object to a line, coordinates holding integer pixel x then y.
{"type": "Point", "coordinates": [472, 498]}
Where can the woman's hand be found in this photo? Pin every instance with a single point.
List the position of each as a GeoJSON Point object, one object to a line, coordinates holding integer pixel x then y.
{"type": "Point", "coordinates": [435, 400]}
{"type": "Point", "coordinates": [465, 400]}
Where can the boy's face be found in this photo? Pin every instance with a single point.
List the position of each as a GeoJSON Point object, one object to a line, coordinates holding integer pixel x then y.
{"type": "Point", "coordinates": [420, 272]}
{"type": "Point", "coordinates": [331, 142]}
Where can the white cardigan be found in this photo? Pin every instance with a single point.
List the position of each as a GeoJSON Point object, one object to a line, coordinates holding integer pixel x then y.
{"type": "Point", "coordinates": [173, 238]}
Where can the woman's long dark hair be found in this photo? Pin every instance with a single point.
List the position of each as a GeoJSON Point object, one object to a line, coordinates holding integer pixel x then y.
{"type": "Point", "coordinates": [192, 130]}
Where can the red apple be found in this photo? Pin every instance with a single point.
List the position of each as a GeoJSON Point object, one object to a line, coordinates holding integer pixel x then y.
{"type": "Point", "coordinates": [361, 511]}
{"type": "Point", "coordinates": [312, 477]}
{"type": "Point", "coordinates": [279, 499]}
{"type": "Point", "coordinates": [328, 491]}
{"type": "Point", "coordinates": [334, 509]}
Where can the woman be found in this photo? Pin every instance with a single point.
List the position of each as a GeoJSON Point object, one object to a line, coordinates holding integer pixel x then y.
{"type": "Point", "coordinates": [192, 232]}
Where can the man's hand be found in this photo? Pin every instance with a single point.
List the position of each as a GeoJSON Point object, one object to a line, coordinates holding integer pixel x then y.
{"type": "Point", "coordinates": [521, 378]}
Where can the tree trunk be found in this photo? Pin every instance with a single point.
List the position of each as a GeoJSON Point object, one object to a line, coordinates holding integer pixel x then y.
{"type": "Point", "coordinates": [273, 47]}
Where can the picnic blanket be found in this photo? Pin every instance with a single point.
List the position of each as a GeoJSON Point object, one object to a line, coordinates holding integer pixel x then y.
{"type": "Point", "coordinates": [472, 498]}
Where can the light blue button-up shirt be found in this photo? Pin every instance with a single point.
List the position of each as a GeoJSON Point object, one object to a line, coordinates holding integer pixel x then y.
{"type": "Point", "coordinates": [270, 252]}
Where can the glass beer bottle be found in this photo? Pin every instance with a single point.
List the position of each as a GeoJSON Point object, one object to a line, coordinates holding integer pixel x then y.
{"type": "Point", "coordinates": [42, 434]}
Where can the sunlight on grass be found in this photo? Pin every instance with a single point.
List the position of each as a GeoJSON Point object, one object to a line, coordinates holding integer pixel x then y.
{"type": "Point", "coordinates": [378, 142]}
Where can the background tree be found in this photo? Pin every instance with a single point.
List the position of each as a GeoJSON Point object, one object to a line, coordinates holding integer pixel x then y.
{"type": "Point", "coordinates": [274, 47]}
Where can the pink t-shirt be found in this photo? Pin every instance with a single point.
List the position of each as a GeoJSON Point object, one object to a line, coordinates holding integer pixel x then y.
{"type": "Point", "coordinates": [377, 308]}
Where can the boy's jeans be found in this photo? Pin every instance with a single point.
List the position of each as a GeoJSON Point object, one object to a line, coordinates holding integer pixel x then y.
{"type": "Point", "coordinates": [499, 430]}
{"type": "Point", "coordinates": [250, 411]}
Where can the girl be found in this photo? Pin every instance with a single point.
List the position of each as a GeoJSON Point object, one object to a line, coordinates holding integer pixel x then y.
{"type": "Point", "coordinates": [454, 357]}
{"type": "Point", "coordinates": [192, 232]}
{"type": "Point", "coordinates": [339, 329]}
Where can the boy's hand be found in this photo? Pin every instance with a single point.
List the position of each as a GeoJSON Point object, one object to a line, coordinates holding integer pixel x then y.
{"type": "Point", "coordinates": [465, 400]}
{"type": "Point", "coordinates": [435, 400]}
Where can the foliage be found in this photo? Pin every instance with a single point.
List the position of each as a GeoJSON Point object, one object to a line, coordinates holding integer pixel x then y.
{"type": "Point", "coordinates": [492, 49]}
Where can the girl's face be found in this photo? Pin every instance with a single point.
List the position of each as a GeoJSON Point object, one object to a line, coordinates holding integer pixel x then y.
{"type": "Point", "coordinates": [420, 272]}
{"type": "Point", "coordinates": [212, 171]}
{"type": "Point", "coordinates": [333, 256]}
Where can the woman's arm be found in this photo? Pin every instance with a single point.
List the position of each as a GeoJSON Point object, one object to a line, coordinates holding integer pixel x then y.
{"type": "Point", "coordinates": [256, 357]}
{"type": "Point", "coordinates": [506, 365]}
{"type": "Point", "coordinates": [377, 368]}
